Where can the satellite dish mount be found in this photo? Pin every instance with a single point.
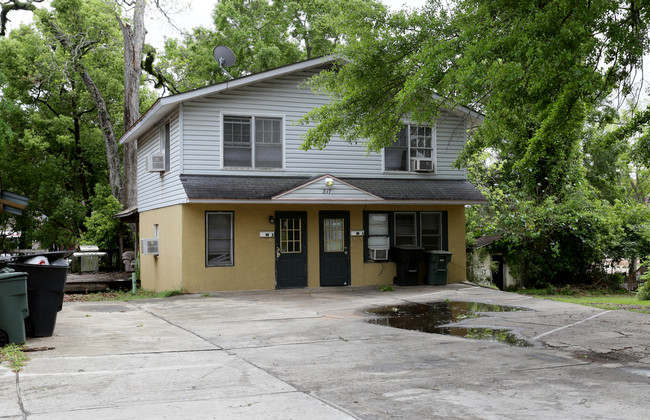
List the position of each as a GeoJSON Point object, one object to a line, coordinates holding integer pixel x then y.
{"type": "Point", "coordinates": [225, 57]}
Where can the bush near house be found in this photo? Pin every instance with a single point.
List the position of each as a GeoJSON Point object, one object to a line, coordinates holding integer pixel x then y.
{"type": "Point", "coordinates": [559, 242]}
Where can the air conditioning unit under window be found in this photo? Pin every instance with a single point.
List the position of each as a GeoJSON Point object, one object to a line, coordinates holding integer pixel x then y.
{"type": "Point", "coordinates": [149, 246]}
{"type": "Point", "coordinates": [378, 254]}
{"type": "Point", "coordinates": [422, 164]}
{"type": "Point", "coordinates": [156, 162]}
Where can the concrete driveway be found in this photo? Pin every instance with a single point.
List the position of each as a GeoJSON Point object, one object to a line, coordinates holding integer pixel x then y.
{"type": "Point", "coordinates": [297, 354]}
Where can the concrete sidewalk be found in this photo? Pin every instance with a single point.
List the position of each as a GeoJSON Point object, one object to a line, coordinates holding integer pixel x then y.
{"type": "Point", "coordinates": [308, 353]}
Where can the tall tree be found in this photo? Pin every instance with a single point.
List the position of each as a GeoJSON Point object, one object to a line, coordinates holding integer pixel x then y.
{"type": "Point", "coordinates": [533, 68]}
{"type": "Point", "coordinates": [81, 28]}
{"type": "Point", "coordinates": [262, 34]}
{"type": "Point", "coordinates": [54, 149]}
{"type": "Point", "coordinates": [133, 36]}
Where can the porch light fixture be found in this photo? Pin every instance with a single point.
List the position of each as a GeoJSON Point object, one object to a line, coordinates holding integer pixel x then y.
{"type": "Point", "coordinates": [271, 219]}
{"type": "Point", "coordinates": [329, 182]}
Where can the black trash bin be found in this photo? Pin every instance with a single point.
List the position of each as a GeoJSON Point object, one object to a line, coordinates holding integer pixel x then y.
{"type": "Point", "coordinates": [408, 259]}
{"type": "Point", "coordinates": [13, 306]}
{"type": "Point", "coordinates": [437, 267]}
{"type": "Point", "coordinates": [45, 289]}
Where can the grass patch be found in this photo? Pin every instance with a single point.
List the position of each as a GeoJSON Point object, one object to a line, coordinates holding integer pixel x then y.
{"type": "Point", "coordinates": [13, 353]}
{"type": "Point", "coordinates": [609, 299]}
{"type": "Point", "coordinates": [120, 295]}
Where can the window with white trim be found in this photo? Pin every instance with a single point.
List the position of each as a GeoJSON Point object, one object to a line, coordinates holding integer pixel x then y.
{"type": "Point", "coordinates": [165, 140]}
{"type": "Point", "coordinates": [219, 249]}
{"type": "Point", "coordinates": [412, 150]}
{"type": "Point", "coordinates": [252, 142]}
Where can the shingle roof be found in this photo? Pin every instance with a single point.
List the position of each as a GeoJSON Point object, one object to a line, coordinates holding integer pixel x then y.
{"type": "Point", "coordinates": [217, 187]}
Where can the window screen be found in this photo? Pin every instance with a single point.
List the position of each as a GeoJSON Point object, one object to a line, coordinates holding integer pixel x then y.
{"type": "Point", "coordinates": [268, 142]}
{"type": "Point", "coordinates": [395, 155]}
{"type": "Point", "coordinates": [218, 239]}
{"type": "Point", "coordinates": [252, 142]}
{"type": "Point", "coordinates": [237, 151]}
{"type": "Point", "coordinates": [431, 230]}
{"type": "Point", "coordinates": [405, 229]}
{"type": "Point", "coordinates": [165, 145]}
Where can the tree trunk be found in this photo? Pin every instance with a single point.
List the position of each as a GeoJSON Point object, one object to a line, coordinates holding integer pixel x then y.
{"type": "Point", "coordinates": [112, 151]}
{"type": "Point", "coordinates": [133, 44]}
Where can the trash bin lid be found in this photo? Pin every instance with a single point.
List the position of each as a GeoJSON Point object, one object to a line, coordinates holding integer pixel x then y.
{"type": "Point", "coordinates": [439, 252]}
{"type": "Point", "coordinates": [10, 274]}
{"type": "Point", "coordinates": [51, 256]}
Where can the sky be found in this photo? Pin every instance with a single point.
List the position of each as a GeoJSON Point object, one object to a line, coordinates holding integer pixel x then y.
{"type": "Point", "coordinates": [189, 14]}
{"type": "Point", "coordinates": [199, 13]}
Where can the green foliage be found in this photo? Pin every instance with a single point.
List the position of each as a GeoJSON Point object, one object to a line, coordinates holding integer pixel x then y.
{"type": "Point", "coordinates": [13, 353]}
{"type": "Point", "coordinates": [49, 122]}
{"type": "Point", "coordinates": [102, 228]}
{"type": "Point", "coordinates": [534, 70]}
{"type": "Point", "coordinates": [262, 34]}
{"type": "Point", "coordinates": [121, 295]}
{"type": "Point", "coordinates": [386, 288]}
{"type": "Point", "coordinates": [643, 293]}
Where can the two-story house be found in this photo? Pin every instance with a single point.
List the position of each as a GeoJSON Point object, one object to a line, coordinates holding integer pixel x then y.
{"type": "Point", "coordinates": [232, 202]}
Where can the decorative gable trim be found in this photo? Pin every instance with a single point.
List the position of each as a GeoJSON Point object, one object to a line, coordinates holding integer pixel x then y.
{"type": "Point", "coordinates": [326, 188]}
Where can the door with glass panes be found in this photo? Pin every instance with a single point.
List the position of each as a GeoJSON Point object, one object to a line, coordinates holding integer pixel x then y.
{"type": "Point", "coordinates": [334, 248]}
{"type": "Point", "coordinates": [290, 250]}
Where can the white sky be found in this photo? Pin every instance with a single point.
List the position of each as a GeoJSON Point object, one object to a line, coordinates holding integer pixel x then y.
{"type": "Point", "coordinates": [187, 14]}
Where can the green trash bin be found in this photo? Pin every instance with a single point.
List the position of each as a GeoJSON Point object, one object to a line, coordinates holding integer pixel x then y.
{"type": "Point", "coordinates": [437, 262]}
{"type": "Point", "coordinates": [13, 306]}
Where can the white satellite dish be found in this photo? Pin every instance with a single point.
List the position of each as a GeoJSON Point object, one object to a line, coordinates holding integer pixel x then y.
{"type": "Point", "coordinates": [225, 57]}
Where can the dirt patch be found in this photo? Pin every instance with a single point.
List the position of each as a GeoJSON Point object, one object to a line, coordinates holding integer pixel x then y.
{"type": "Point", "coordinates": [98, 277]}
{"type": "Point", "coordinates": [614, 356]}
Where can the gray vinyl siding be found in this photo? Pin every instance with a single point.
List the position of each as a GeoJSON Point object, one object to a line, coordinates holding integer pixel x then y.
{"type": "Point", "coordinates": [160, 189]}
{"type": "Point", "coordinates": [201, 134]}
{"type": "Point", "coordinates": [289, 98]}
{"type": "Point", "coordinates": [450, 140]}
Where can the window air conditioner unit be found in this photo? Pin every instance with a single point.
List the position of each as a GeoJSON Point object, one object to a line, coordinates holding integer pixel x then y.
{"type": "Point", "coordinates": [149, 246]}
{"type": "Point", "coordinates": [422, 164]}
{"type": "Point", "coordinates": [378, 254]}
{"type": "Point", "coordinates": [156, 162]}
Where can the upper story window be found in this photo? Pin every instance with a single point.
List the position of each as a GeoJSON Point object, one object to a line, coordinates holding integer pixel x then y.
{"type": "Point", "coordinates": [165, 140]}
{"type": "Point", "coordinates": [252, 142]}
{"type": "Point", "coordinates": [412, 151]}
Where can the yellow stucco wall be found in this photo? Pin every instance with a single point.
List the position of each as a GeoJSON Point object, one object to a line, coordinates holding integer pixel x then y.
{"type": "Point", "coordinates": [182, 247]}
{"type": "Point", "coordinates": [162, 272]}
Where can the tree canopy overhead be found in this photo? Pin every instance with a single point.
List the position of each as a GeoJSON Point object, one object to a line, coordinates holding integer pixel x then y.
{"type": "Point", "coordinates": [263, 34]}
{"type": "Point", "coordinates": [534, 68]}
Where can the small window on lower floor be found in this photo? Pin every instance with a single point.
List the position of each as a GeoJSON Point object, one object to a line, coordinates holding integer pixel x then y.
{"type": "Point", "coordinates": [219, 248]}
{"type": "Point", "coordinates": [431, 230]}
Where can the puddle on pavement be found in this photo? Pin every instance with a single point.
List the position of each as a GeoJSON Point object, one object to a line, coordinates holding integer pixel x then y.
{"type": "Point", "coordinates": [434, 318]}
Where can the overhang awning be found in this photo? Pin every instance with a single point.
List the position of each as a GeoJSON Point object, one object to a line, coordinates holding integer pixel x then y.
{"type": "Point", "coordinates": [129, 215]}
{"type": "Point", "coordinates": [216, 188]}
